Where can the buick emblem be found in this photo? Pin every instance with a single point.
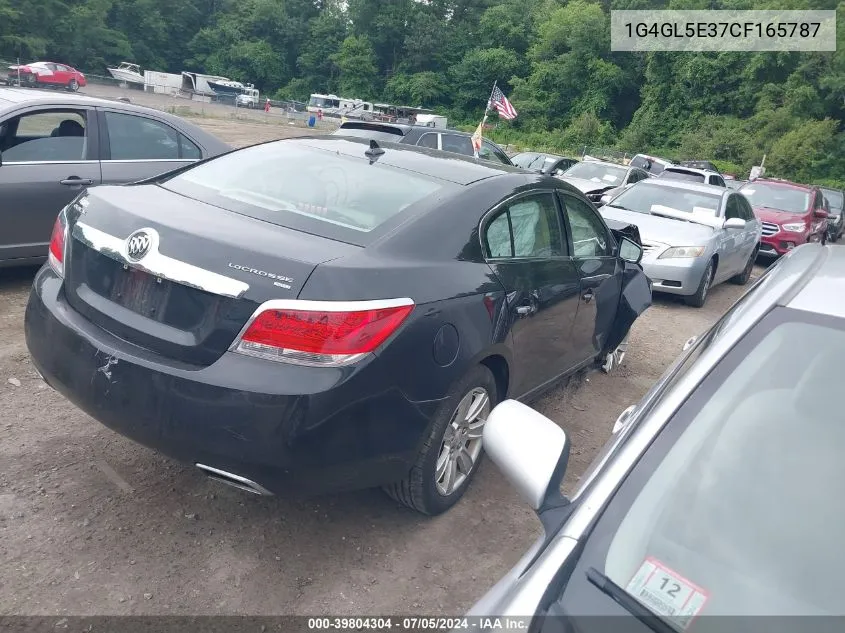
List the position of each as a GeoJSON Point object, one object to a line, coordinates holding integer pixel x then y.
{"type": "Point", "coordinates": [138, 244]}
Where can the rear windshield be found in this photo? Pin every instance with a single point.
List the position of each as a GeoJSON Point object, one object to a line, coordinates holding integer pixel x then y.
{"type": "Point", "coordinates": [305, 188]}
{"type": "Point", "coordinates": [782, 198]}
{"type": "Point", "coordinates": [680, 174]}
{"type": "Point", "coordinates": [374, 132]}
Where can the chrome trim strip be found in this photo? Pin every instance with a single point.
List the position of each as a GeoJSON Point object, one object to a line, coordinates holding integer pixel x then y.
{"type": "Point", "coordinates": [155, 263]}
{"type": "Point", "coordinates": [50, 162]}
{"type": "Point", "coordinates": [234, 480]}
{"type": "Point", "coordinates": [150, 160]}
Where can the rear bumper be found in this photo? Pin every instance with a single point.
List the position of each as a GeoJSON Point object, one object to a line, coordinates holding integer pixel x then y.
{"type": "Point", "coordinates": [677, 276]}
{"type": "Point", "coordinates": [293, 430]}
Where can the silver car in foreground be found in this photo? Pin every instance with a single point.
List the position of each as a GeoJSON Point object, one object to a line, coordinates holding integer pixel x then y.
{"type": "Point", "coordinates": [717, 494]}
{"type": "Point", "coordinates": [694, 235]}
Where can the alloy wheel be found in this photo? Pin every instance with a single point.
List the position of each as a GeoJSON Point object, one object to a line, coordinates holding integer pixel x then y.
{"type": "Point", "coordinates": [461, 444]}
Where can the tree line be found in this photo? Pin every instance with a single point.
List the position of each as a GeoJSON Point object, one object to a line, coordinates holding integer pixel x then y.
{"type": "Point", "coordinates": [551, 57]}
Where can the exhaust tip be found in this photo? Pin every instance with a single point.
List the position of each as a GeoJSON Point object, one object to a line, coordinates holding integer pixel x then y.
{"type": "Point", "coordinates": [236, 481]}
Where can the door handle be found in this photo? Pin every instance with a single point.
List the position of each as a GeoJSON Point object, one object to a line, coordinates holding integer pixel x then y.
{"type": "Point", "coordinates": [73, 181]}
{"type": "Point", "coordinates": [588, 296]}
{"type": "Point", "coordinates": [524, 311]}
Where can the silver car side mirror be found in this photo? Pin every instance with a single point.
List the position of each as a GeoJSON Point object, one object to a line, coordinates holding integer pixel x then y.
{"type": "Point", "coordinates": [605, 198]}
{"type": "Point", "coordinates": [530, 450]}
{"type": "Point", "coordinates": [734, 223]}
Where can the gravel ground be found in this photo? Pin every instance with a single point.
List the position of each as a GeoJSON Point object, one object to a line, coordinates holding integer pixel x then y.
{"type": "Point", "coordinates": [92, 524]}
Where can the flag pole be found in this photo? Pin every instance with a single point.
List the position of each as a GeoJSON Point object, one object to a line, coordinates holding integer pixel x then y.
{"type": "Point", "coordinates": [480, 129]}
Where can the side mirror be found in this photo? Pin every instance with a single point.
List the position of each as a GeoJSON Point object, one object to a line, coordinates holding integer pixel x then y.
{"type": "Point", "coordinates": [630, 251]}
{"type": "Point", "coordinates": [623, 418]}
{"type": "Point", "coordinates": [821, 214]}
{"type": "Point", "coordinates": [558, 172]}
{"type": "Point", "coordinates": [734, 223]}
{"type": "Point", "coordinates": [605, 199]}
{"type": "Point", "coordinates": [530, 450]}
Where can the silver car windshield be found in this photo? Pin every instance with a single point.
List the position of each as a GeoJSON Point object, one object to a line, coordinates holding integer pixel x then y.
{"type": "Point", "coordinates": [597, 172]}
{"type": "Point", "coordinates": [649, 198]}
{"type": "Point", "coordinates": [742, 516]}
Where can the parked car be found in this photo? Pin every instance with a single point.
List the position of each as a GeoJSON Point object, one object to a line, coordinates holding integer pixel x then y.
{"type": "Point", "coordinates": [344, 316]}
{"type": "Point", "coordinates": [735, 184]}
{"type": "Point", "coordinates": [792, 214]}
{"type": "Point", "coordinates": [692, 174]}
{"type": "Point", "coordinates": [652, 164]}
{"type": "Point", "coordinates": [447, 140]}
{"type": "Point", "coordinates": [694, 236]}
{"type": "Point", "coordinates": [543, 163]}
{"type": "Point", "coordinates": [47, 75]}
{"type": "Point", "coordinates": [51, 146]}
{"type": "Point", "coordinates": [716, 495]}
{"type": "Point", "coordinates": [835, 224]}
{"type": "Point", "coordinates": [701, 164]}
{"type": "Point", "coordinates": [594, 178]}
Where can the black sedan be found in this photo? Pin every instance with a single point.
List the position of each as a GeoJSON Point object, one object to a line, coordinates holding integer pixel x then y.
{"type": "Point", "coordinates": [322, 314]}
{"type": "Point", "coordinates": [544, 163]}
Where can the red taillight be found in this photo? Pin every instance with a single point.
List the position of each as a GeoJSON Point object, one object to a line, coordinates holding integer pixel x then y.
{"type": "Point", "coordinates": [321, 333]}
{"type": "Point", "coordinates": [57, 245]}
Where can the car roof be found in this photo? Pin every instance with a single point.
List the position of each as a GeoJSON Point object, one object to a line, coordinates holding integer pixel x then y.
{"type": "Point", "coordinates": [782, 183]}
{"type": "Point", "coordinates": [687, 185]}
{"type": "Point", "coordinates": [692, 170]}
{"type": "Point", "coordinates": [11, 98]}
{"type": "Point", "coordinates": [608, 163]}
{"type": "Point", "coordinates": [817, 275]}
{"type": "Point", "coordinates": [448, 166]}
{"type": "Point", "coordinates": [48, 97]}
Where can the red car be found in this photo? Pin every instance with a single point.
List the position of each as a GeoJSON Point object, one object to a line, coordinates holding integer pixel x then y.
{"type": "Point", "coordinates": [791, 214]}
{"type": "Point", "coordinates": [48, 74]}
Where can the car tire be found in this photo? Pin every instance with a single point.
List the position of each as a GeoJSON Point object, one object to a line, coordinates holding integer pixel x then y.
{"type": "Point", "coordinates": [422, 489]}
{"type": "Point", "coordinates": [73, 85]}
{"type": "Point", "coordinates": [742, 278]}
{"type": "Point", "coordinates": [698, 299]}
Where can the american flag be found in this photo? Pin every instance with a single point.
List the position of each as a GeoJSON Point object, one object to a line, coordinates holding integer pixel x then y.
{"type": "Point", "coordinates": [504, 107]}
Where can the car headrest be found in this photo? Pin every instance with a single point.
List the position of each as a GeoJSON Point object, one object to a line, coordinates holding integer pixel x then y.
{"type": "Point", "coordinates": [69, 127]}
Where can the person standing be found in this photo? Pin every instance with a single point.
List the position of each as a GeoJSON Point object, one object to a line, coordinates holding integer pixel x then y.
{"type": "Point", "coordinates": [267, 106]}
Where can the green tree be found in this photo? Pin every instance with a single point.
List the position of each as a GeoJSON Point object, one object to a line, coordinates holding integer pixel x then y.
{"type": "Point", "coordinates": [356, 65]}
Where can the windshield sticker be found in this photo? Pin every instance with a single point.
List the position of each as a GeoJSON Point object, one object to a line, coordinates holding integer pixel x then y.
{"type": "Point", "coordinates": [667, 593]}
{"type": "Point", "coordinates": [610, 178]}
{"type": "Point", "coordinates": [748, 191]}
{"type": "Point", "coordinates": [662, 208]}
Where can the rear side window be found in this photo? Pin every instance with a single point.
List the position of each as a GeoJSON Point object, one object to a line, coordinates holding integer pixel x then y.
{"type": "Point", "coordinates": [528, 227]}
{"type": "Point", "coordinates": [457, 144]}
{"type": "Point", "coordinates": [305, 188]}
{"type": "Point", "coordinates": [139, 138]}
{"type": "Point", "coordinates": [429, 139]}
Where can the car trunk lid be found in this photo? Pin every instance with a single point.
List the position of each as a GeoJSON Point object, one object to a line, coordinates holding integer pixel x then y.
{"type": "Point", "coordinates": [205, 272]}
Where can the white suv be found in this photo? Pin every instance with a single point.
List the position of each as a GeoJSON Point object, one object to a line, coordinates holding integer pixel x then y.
{"type": "Point", "coordinates": [692, 174]}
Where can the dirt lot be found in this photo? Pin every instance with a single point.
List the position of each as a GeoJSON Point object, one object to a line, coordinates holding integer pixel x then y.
{"type": "Point", "coordinates": [92, 524]}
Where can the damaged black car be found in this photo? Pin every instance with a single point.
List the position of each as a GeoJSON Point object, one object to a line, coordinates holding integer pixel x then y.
{"type": "Point", "coordinates": [325, 314]}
